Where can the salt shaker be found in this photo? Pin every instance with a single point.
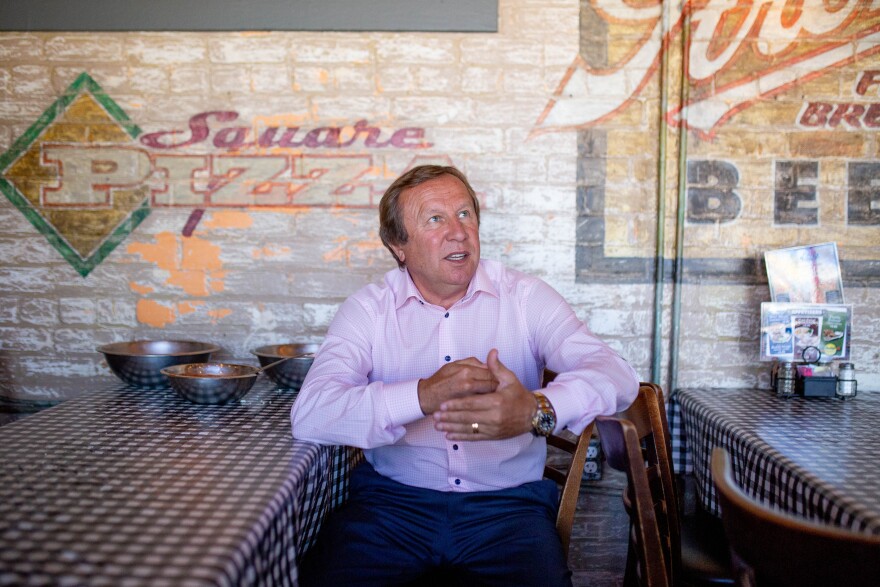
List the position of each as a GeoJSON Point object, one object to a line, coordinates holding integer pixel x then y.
{"type": "Point", "coordinates": [846, 381]}
{"type": "Point", "coordinates": [785, 380]}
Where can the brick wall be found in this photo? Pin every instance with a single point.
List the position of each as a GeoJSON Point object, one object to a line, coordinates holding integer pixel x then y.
{"type": "Point", "coordinates": [226, 233]}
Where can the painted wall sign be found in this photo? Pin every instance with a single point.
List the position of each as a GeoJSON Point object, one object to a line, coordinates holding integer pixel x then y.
{"type": "Point", "coordinates": [86, 176]}
{"type": "Point", "coordinates": [738, 54]}
{"type": "Point", "coordinates": [781, 103]}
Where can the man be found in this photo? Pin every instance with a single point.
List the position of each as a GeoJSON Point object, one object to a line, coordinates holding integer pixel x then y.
{"type": "Point", "coordinates": [431, 374]}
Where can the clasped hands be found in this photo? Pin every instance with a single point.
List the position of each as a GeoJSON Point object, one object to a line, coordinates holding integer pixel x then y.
{"type": "Point", "coordinates": [472, 400]}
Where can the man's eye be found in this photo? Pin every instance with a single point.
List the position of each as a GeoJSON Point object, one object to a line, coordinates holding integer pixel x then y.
{"type": "Point", "coordinates": [464, 214]}
{"type": "Point", "coordinates": [434, 218]}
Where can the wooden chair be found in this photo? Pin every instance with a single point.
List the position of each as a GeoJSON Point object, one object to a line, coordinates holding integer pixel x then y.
{"type": "Point", "coordinates": [773, 548]}
{"type": "Point", "coordinates": [569, 478]}
{"type": "Point", "coordinates": [637, 442]}
{"type": "Point", "coordinates": [568, 475]}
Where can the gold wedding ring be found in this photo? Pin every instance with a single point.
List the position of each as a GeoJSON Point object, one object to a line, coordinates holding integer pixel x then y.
{"type": "Point", "coordinates": [475, 428]}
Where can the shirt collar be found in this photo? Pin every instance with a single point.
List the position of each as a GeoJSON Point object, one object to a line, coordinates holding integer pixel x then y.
{"type": "Point", "coordinates": [407, 290]}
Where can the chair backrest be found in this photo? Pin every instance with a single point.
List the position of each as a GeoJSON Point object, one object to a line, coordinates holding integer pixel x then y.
{"type": "Point", "coordinates": [774, 548]}
{"type": "Point", "coordinates": [636, 442]}
{"type": "Point", "coordinates": [567, 474]}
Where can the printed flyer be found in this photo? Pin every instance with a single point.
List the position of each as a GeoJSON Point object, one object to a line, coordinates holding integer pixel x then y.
{"type": "Point", "coordinates": [809, 274]}
{"type": "Point", "coordinates": [804, 333]}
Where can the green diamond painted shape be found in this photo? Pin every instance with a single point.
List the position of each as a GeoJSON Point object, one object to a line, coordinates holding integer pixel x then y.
{"type": "Point", "coordinates": [55, 173]}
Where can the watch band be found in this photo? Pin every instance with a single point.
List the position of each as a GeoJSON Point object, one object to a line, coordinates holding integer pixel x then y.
{"type": "Point", "coordinates": [544, 421]}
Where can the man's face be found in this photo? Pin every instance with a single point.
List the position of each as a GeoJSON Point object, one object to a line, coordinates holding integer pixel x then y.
{"type": "Point", "coordinates": [443, 250]}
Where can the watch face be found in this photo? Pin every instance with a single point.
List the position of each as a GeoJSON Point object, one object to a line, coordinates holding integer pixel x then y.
{"type": "Point", "coordinates": [545, 424]}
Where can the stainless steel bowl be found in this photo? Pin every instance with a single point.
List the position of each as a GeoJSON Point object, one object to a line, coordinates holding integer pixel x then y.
{"type": "Point", "coordinates": [291, 373]}
{"type": "Point", "coordinates": [212, 383]}
{"type": "Point", "coordinates": [140, 362]}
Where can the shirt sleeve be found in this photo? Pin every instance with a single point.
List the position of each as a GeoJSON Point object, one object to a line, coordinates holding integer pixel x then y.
{"type": "Point", "coordinates": [593, 379]}
{"type": "Point", "coordinates": [337, 403]}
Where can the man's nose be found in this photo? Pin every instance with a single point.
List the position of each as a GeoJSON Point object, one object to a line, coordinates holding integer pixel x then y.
{"type": "Point", "coordinates": [457, 230]}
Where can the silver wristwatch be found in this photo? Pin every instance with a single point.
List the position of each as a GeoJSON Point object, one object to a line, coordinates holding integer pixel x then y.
{"type": "Point", "coordinates": [544, 420]}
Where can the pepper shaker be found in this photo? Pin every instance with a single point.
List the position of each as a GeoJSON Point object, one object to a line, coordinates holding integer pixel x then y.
{"type": "Point", "coordinates": [847, 386]}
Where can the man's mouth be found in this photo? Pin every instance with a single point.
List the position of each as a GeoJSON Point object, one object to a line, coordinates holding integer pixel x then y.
{"type": "Point", "coordinates": [456, 256]}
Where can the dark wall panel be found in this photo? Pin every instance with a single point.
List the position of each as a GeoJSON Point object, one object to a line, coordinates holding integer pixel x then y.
{"type": "Point", "coordinates": [246, 15]}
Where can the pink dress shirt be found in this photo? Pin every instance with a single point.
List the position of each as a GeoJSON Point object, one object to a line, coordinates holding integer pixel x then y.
{"type": "Point", "coordinates": [362, 388]}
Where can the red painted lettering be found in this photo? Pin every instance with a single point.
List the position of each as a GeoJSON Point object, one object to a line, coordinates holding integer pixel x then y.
{"type": "Point", "coordinates": [868, 78]}
{"type": "Point", "coordinates": [816, 114]}
{"type": "Point", "coordinates": [198, 127]}
{"type": "Point", "coordinates": [872, 116]}
{"type": "Point", "coordinates": [399, 138]}
{"type": "Point", "coordinates": [230, 138]}
{"type": "Point", "coordinates": [286, 139]}
{"type": "Point", "coordinates": [848, 113]}
{"type": "Point", "coordinates": [330, 139]}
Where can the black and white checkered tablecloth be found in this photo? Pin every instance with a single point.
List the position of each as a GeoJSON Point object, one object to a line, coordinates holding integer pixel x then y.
{"type": "Point", "coordinates": [815, 457]}
{"type": "Point", "coordinates": [126, 486]}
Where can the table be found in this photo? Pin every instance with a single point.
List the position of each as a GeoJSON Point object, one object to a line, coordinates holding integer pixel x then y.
{"type": "Point", "coordinates": [125, 486]}
{"type": "Point", "coordinates": [815, 457]}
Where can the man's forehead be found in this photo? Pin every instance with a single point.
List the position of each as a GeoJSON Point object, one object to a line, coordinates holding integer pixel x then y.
{"type": "Point", "coordinates": [436, 194]}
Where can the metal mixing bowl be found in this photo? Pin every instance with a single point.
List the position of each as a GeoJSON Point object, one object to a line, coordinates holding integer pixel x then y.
{"type": "Point", "coordinates": [140, 362]}
{"type": "Point", "coordinates": [212, 383]}
{"type": "Point", "coordinates": [290, 373]}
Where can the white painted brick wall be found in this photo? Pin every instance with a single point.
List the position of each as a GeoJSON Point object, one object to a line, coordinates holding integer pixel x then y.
{"type": "Point", "coordinates": [283, 275]}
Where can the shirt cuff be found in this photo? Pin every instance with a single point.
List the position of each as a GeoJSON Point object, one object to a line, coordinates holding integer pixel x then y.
{"type": "Point", "coordinates": [402, 401]}
{"type": "Point", "coordinates": [569, 408]}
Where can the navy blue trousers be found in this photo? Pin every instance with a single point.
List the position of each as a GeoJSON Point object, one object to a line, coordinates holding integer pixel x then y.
{"type": "Point", "coordinates": [388, 533]}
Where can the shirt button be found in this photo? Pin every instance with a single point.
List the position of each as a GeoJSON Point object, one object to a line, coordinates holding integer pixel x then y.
{"type": "Point", "coordinates": [447, 358]}
{"type": "Point", "coordinates": [454, 447]}
{"type": "Point", "coordinates": [446, 315]}
{"type": "Point", "coordinates": [458, 481]}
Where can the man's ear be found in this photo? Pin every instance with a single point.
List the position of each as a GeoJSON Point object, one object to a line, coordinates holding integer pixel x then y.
{"type": "Point", "coordinates": [398, 252]}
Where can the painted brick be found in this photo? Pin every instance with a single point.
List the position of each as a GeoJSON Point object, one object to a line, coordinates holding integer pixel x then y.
{"type": "Point", "coordinates": [77, 311]}
{"type": "Point", "coordinates": [332, 49]}
{"type": "Point", "coordinates": [8, 310]}
{"type": "Point", "coordinates": [229, 78]}
{"type": "Point", "coordinates": [41, 367]}
{"type": "Point", "coordinates": [18, 338]}
{"type": "Point", "coordinates": [84, 47]}
{"type": "Point", "coordinates": [454, 140]}
{"type": "Point", "coordinates": [524, 79]}
{"type": "Point", "coordinates": [483, 50]}
{"type": "Point", "coordinates": [341, 107]}
{"type": "Point", "coordinates": [318, 316]}
{"type": "Point", "coordinates": [188, 80]}
{"type": "Point", "coordinates": [269, 78]}
{"type": "Point", "coordinates": [167, 49]}
{"type": "Point", "coordinates": [248, 48]}
{"type": "Point", "coordinates": [354, 79]}
{"type": "Point", "coordinates": [19, 46]}
{"type": "Point", "coordinates": [31, 80]}
{"type": "Point", "coordinates": [441, 78]}
{"type": "Point", "coordinates": [114, 77]}
{"type": "Point", "coordinates": [149, 80]}
{"type": "Point", "coordinates": [481, 79]}
{"type": "Point", "coordinates": [25, 279]}
{"type": "Point", "coordinates": [73, 340]}
{"type": "Point", "coordinates": [736, 324]}
{"type": "Point", "coordinates": [416, 49]}
{"type": "Point", "coordinates": [391, 78]}
{"type": "Point", "coordinates": [825, 144]}
{"type": "Point", "coordinates": [438, 110]}
{"type": "Point", "coordinates": [114, 312]}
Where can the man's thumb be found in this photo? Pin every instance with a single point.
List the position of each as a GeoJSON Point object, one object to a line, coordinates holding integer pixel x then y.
{"type": "Point", "coordinates": [496, 367]}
